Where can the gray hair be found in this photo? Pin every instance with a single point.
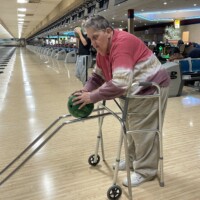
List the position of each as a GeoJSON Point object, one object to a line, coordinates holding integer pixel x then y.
{"type": "Point", "coordinates": [97, 22]}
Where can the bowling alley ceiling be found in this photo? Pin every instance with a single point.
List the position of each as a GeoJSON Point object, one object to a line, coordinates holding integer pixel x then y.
{"type": "Point", "coordinates": [22, 20]}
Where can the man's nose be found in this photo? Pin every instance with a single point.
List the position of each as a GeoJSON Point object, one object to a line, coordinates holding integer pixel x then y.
{"type": "Point", "coordinates": [93, 44]}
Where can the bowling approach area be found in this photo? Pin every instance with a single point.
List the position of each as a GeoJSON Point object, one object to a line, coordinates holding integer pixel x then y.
{"type": "Point", "coordinates": [34, 91]}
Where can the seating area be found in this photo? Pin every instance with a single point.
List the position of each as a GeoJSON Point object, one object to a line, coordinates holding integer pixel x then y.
{"type": "Point", "coordinates": [190, 68]}
{"type": "Point", "coordinates": [182, 58]}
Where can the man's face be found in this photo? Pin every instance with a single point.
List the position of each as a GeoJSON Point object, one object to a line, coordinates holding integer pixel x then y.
{"type": "Point", "coordinates": [101, 39]}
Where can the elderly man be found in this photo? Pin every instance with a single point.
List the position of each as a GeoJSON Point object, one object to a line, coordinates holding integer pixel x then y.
{"type": "Point", "coordinates": [121, 60]}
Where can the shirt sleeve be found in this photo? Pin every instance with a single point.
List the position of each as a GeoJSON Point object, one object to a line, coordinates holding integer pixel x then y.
{"type": "Point", "coordinates": [106, 92]}
{"type": "Point", "coordinates": [94, 82]}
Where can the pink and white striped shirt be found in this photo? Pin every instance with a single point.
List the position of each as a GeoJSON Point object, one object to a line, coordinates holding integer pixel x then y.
{"type": "Point", "coordinates": [128, 61]}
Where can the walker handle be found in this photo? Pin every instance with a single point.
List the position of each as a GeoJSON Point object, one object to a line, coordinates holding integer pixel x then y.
{"type": "Point", "coordinates": [145, 84]}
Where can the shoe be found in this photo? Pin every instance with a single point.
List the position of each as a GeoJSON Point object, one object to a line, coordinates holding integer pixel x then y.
{"type": "Point", "coordinates": [136, 179]}
{"type": "Point", "coordinates": [122, 166]}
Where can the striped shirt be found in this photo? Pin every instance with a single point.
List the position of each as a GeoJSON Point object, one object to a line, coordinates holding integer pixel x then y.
{"type": "Point", "coordinates": [128, 61]}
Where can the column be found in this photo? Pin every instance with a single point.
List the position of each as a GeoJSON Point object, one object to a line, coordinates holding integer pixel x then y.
{"type": "Point", "coordinates": [131, 21]}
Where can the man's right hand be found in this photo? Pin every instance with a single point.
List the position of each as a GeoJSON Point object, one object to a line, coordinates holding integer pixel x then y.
{"type": "Point", "coordinates": [76, 93]}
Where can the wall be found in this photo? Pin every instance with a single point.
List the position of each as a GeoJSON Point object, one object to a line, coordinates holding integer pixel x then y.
{"type": "Point", "coordinates": [9, 42]}
{"type": "Point", "coordinates": [155, 34]}
{"type": "Point", "coordinates": [194, 31]}
{"type": "Point", "coordinates": [151, 34]}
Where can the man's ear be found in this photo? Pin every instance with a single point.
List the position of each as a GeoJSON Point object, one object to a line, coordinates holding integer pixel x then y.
{"type": "Point", "coordinates": [109, 31]}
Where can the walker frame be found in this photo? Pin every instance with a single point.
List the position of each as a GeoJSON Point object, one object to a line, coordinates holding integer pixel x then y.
{"type": "Point", "coordinates": [115, 191]}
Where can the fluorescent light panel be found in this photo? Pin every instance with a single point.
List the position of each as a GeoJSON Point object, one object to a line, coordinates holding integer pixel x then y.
{"type": "Point", "coordinates": [164, 15]}
{"type": "Point", "coordinates": [21, 15]}
{"type": "Point", "coordinates": [22, 9]}
{"type": "Point", "coordinates": [22, 1]}
{"type": "Point", "coordinates": [20, 19]}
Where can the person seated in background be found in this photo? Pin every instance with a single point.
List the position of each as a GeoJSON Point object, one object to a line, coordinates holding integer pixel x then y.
{"type": "Point", "coordinates": [176, 55]}
{"type": "Point", "coordinates": [188, 47]}
{"type": "Point", "coordinates": [153, 43]}
{"type": "Point", "coordinates": [194, 53]}
{"type": "Point", "coordinates": [152, 46]}
{"type": "Point", "coordinates": [181, 46]}
{"type": "Point", "coordinates": [167, 43]}
{"type": "Point", "coordinates": [196, 45]}
{"type": "Point", "coordinates": [180, 42]}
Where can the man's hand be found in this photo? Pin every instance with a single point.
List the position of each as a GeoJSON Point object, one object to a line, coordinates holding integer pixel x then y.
{"type": "Point", "coordinates": [78, 30]}
{"type": "Point", "coordinates": [82, 98]}
{"type": "Point", "coordinates": [78, 91]}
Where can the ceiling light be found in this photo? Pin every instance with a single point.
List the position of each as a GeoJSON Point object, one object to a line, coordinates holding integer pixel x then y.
{"type": "Point", "coordinates": [156, 16]}
{"type": "Point", "coordinates": [22, 1]}
{"type": "Point", "coordinates": [22, 9]}
{"type": "Point", "coordinates": [20, 19]}
{"type": "Point", "coordinates": [21, 15]}
{"type": "Point", "coordinates": [165, 3]}
{"type": "Point", "coordinates": [195, 4]}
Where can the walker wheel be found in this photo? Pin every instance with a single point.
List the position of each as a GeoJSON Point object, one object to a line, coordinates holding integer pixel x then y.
{"type": "Point", "coordinates": [114, 192]}
{"type": "Point", "coordinates": [92, 161]}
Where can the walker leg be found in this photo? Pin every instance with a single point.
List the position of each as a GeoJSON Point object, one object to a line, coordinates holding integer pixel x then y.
{"type": "Point", "coordinates": [118, 159]}
{"type": "Point", "coordinates": [161, 181]}
{"type": "Point", "coordinates": [127, 167]}
{"type": "Point", "coordinates": [115, 191]}
{"type": "Point", "coordinates": [115, 188]}
{"type": "Point", "coordinates": [95, 158]}
{"type": "Point", "coordinates": [100, 135]}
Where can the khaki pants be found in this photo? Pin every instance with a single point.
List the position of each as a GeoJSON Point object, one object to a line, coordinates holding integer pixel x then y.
{"type": "Point", "coordinates": [143, 147]}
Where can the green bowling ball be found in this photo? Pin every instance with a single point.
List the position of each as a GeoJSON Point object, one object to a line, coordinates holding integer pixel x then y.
{"type": "Point", "coordinates": [79, 113]}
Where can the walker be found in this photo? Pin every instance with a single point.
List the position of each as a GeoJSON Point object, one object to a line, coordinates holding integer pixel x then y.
{"type": "Point", "coordinates": [115, 191]}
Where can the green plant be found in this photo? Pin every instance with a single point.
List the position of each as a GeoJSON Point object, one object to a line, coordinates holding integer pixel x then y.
{"type": "Point", "coordinates": [172, 33]}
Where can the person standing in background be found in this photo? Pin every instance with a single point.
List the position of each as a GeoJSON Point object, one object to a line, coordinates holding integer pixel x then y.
{"type": "Point", "coordinates": [83, 58]}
